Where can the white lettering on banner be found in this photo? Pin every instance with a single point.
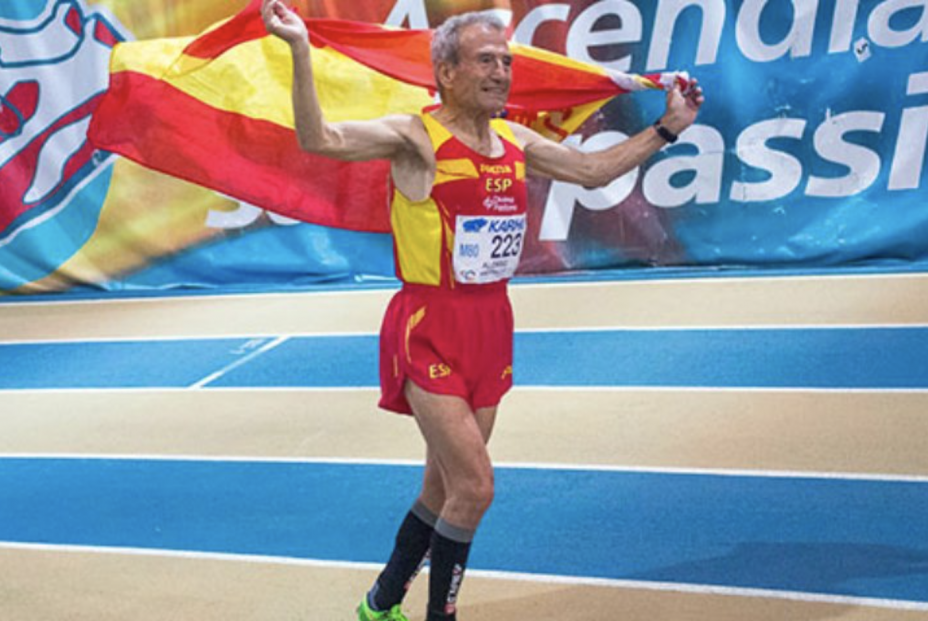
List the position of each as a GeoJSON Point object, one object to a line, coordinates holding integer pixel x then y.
{"type": "Point", "coordinates": [586, 32]}
{"type": "Point", "coordinates": [842, 25]}
{"type": "Point", "coordinates": [798, 42]}
{"type": "Point", "coordinates": [863, 163]}
{"type": "Point", "coordinates": [563, 197]}
{"type": "Point", "coordinates": [909, 157]}
{"type": "Point", "coordinates": [706, 185]}
{"type": "Point", "coordinates": [882, 34]}
{"type": "Point", "coordinates": [582, 36]}
{"type": "Point", "coordinates": [710, 34]}
{"type": "Point", "coordinates": [785, 170]}
{"type": "Point", "coordinates": [525, 31]}
{"type": "Point", "coordinates": [411, 11]}
{"type": "Point", "coordinates": [412, 14]}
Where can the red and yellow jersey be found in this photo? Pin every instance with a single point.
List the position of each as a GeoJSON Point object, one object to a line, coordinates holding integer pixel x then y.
{"type": "Point", "coordinates": [470, 230]}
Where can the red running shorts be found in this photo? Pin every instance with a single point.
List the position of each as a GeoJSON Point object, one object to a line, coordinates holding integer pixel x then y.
{"type": "Point", "coordinates": [448, 342]}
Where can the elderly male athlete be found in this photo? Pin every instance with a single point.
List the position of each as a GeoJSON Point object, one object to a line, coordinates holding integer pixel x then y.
{"type": "Point", "coordinates": [458, 217]}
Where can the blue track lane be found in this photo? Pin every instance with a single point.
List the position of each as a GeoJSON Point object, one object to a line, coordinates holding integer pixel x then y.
{"type": "Point", "coordinates": [841, 537]}
{"type": "Point", "coordinates": [840, 358]}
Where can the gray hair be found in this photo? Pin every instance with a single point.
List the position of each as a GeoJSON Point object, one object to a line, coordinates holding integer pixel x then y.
{"type": "Point", "coordinates": [446, 40]}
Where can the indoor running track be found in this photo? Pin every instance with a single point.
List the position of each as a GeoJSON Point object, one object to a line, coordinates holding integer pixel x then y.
{"type": "Point", "coordinates": [848, 537]}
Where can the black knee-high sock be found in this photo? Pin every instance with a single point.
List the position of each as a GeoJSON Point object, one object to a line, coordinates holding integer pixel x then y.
{"type": "Point", "coordinates": [412, 544]}
{"type": "Point", "coordinates": [450, 548]}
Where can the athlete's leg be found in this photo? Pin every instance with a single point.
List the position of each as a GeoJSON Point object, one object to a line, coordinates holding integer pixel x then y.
{"type": "Point", "coordinates": [412, 543]}
{"type": "Point", "coordinates": [415, 534]}
{"type": "Point", "coordinates": [456, 438]}
{"type": "Point", "coordinates": [486, 419]}
{"type": "Point", "coordinates": [433, 487]}
{"type": "Point", "coordinates": [456, 442]}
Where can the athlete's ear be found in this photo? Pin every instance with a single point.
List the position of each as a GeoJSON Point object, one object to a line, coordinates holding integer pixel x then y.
{"type": "Point", "coordinates": [445, 75]}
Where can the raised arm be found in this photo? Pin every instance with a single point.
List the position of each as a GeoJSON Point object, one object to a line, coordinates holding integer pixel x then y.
{"type": "Point", "coordinates": [355, 140]}
{"type": "Point", "coordinates": [557, 161]}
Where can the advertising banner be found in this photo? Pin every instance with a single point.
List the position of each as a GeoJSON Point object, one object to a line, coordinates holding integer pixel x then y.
{"type": "Point", "coordinates": [809, 152]}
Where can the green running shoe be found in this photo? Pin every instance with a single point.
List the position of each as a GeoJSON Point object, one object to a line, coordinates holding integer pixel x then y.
{"type": "Point", "coordinates": [366, 614]}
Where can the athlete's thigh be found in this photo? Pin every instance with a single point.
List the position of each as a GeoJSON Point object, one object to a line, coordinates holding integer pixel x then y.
{"type": "Point", "coordinates": [486, 419]}
{"type": "Point", "coordinates": [451, 430]}
{"type": "Point", "coordinates": [433, 480]}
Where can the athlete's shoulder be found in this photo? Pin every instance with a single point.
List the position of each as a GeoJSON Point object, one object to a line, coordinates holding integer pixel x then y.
{"type": "Point", "coordinates": [409, 126]}
{"type": "Point", "coordinates": [525, 135]}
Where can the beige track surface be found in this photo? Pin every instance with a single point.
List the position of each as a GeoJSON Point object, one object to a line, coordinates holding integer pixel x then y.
{"type": "Point", "coordinates": [114, 587]}
{"type": "Point", "coordinates": [832, 432]}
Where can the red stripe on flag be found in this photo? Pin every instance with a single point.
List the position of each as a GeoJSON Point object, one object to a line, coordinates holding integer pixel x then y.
{"type": "Point", "coordinates": [541, 85]}
{"type": "Point", "coordinates": [406, 56]}
{"type": "Point", "coordinates": [151, 122]}
{"type": "Point", "coordinates": [245, 26]}
{"type": "Point", "coordinates": [401, 54]}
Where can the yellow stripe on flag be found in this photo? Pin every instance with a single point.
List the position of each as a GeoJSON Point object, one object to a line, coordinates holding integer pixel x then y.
{"type": "Point", "coordinates": [255, 79]}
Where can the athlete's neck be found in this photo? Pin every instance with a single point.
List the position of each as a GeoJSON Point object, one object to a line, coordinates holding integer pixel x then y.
{"type": "Point", "coordinates": [472, 129]}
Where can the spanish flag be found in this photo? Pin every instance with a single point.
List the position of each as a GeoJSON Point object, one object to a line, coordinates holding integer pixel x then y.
{"type": "Point", "coordinates": [216, 109]}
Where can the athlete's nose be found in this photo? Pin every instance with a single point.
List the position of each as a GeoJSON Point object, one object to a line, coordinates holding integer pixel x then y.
{"type": "Point", "coordinates": [500, 69]}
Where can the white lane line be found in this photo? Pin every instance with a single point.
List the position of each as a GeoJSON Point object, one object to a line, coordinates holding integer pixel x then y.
{"type": "Point", "coordinates": [698, 589]}
{"type": "Point", "coordinates": [731, 327]}
{"type": "Point", "coordinates": [524, 388]}
{"type": "Point", "coordinates": [243, 360]}
{"type": "Point", "coordinates": [339, 461]}
{"type": "Point", "coordinates": [103, 340]}
{"type": "Point", "coordinates": [562, 330]}
{"type": "Point", "coordinates": [710, 389]}
{"type": "Point", "coordinates": [173, 389]}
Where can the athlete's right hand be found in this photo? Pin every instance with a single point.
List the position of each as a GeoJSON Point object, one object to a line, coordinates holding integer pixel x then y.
{"type": "Point", "coordinates": [283, 22]}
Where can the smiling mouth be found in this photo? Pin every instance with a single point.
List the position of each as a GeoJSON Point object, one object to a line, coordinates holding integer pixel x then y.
{"type": "Point", "coordinates": [496, 90]}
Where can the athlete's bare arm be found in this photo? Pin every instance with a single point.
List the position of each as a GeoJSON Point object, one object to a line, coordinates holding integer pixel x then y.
{"type": "Point", "coordinates": [551, 159]}
{"type": "Point", "coordinates": [382, 138]}
{"type": "Point", "coordinates": [402, 139]}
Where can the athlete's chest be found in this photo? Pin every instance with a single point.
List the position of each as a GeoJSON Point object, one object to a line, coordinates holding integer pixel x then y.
{"type": "Point", "coordinates": [483, 201]}
{"type": "Point", "coordinates": [467, 183]}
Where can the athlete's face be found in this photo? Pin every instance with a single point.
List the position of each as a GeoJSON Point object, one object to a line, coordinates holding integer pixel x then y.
{"type": "Point", "coordinates": [483, 75]}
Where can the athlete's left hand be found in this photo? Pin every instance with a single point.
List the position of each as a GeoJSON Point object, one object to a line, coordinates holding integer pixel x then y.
{"type": "Point", "coordinates": [682, 107]}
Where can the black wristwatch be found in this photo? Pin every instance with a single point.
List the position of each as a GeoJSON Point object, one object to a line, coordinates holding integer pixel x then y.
{"type": "Point", "coordinates": [668, 136]}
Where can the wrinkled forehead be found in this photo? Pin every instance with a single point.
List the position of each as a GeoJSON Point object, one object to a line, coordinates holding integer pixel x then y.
{"type": "Point", "coordinates": [480, 38]}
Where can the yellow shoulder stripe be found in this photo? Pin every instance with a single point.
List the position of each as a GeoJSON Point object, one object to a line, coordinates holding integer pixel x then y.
{"type": "Point", "coordinates": [501, 127]}
{"type": "Point", "coordinates": [437, 132]}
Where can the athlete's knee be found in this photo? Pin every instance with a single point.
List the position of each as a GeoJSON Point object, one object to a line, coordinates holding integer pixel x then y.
{"type": "Point", "coordinates": [477, 491]}
{"type": "Point", "coordinates": [433, 495]}
{"type": "Point", "coordinates": [485, 495]}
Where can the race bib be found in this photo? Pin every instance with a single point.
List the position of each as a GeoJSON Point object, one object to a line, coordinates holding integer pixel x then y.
{"type": "Point", "coordinates": [487, 248]}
